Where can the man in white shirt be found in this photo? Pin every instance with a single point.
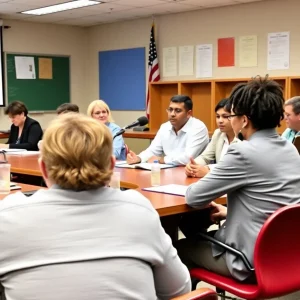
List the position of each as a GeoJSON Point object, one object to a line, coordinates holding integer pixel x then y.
{"type": "Point", "coordinates": [177, 140]}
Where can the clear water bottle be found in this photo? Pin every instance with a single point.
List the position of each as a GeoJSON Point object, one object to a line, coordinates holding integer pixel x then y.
{"type": "Point", "coordinates": [155, 173]}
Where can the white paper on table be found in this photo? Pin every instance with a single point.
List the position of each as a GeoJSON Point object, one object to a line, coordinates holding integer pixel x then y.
{"type": "Point", "coordinates": [278, 51]}
{"type": "Point", "coordinates": [121, 162]}
{"type": "Point", "coordinates": [25, 68]}
{"type": "Point", "coordinates": [204, 60]}
{"type": "Point", "coordinates": [186, 60]}
{"type": "Point", "coordinates": [169, 61]}
{"type": "Point", "coordinates": [8, 150]}
{"type": "Point", "coordinates": [173, 189]}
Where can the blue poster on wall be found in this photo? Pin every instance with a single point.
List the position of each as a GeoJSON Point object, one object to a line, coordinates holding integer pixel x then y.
{"type": "Point", "coordinates": [122, 78]}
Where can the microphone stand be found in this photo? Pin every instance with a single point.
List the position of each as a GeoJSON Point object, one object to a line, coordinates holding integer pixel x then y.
{"type": "Point", "coordinates": [119, 133]}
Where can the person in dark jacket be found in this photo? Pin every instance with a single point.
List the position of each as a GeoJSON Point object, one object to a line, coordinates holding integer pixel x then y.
{"type": "Point", "coordinates": [24, 132]}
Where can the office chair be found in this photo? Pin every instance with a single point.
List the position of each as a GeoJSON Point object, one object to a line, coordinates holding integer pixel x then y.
{"type": "Point", "coordinates": [276, 259]}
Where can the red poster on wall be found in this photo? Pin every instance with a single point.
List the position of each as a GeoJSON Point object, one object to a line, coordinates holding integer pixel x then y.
{"type": "Point", "coordinates": [226, 52]}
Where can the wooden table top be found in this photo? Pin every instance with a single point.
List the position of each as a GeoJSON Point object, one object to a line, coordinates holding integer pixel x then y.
{"type": "Point", "coordinates": [25, 188]}
{"type": "Point", "coordinates": [4, 135]}
{"type": "Point", "coordinates": [130, 178]}
{"type": "Point", "coordinates": [140, 134]}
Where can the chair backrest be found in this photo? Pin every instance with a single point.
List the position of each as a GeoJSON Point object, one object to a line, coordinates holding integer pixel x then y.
{"type": "Point", "coordinates": [277, 253]}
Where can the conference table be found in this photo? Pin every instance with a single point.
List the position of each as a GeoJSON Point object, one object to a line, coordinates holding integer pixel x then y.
{"type": "Point", "coordinates": [165, 204]}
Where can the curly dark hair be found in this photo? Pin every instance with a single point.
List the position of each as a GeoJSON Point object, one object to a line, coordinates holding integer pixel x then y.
{"type": "Point", "coordinates": [261, 100]}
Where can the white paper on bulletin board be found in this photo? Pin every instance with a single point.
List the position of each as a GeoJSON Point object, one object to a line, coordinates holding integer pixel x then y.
{"type": "Point", "coordinates": [248, 51]}
{"type": "Point", "coordinates": [204, 60]}
{"type": "Point", "coordinates": [186, 60]}
{"type": "Point", "coordinates": [279, 51]}
{"type": "Point", "coordinates": [170, 61]}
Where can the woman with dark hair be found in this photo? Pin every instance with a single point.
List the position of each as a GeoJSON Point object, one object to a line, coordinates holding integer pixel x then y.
{"type": "Point", "coordinates": [259, 175]}
{"type": "Point", "coordinates": [25, 132]}
{"type": "Point", "coordinates": [217, 148]}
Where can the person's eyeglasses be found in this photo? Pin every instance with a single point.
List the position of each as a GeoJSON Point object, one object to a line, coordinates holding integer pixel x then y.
{"type": "Point", "coordinates": [176, 110]}
{"type": "Point", "coordinates": [231, 116]}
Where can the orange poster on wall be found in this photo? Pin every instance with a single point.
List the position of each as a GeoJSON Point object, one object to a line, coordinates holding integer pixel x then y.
{"type": "Point", "coordinates": [226, 52]}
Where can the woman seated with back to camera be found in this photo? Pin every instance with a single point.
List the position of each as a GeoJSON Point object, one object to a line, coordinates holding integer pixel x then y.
{"type": "Point", "coordinates": [217, 148]}
{"type": "Point", "coordinates": [100, 111]}
{"type": "Point", "coordinates": [87, 240]}
{"type": "Point", "coordinates": [25, 132]}
{"type": "Point", "coordinates": [260, 175]}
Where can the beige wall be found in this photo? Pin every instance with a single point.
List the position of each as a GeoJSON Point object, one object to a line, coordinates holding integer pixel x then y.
{"type": "Point", "coordinates": [37, 38]}
{"type": "Point", "coordinates": [197, 27]}
{"type": "Point", "coordinates": [191, 28]}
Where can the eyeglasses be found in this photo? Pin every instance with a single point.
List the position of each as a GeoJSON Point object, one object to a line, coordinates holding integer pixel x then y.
{"type": "Point", "coordinates": [231, 116]}
{"type": "Point", "coordinates": [175, 110]}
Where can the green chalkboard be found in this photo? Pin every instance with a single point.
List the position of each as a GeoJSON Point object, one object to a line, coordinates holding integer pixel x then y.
{"type": "Point", "coordinates": [39, 94]}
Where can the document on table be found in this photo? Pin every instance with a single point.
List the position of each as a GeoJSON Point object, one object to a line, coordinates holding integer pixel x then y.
{"type": "Point", "coordinates": [8, 150]}
{"type": "Point", "coordinates": [172, 189]}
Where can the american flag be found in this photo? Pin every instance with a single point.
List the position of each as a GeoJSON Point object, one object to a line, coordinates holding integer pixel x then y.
{"type": "Point", "coordinates": [153, 69]}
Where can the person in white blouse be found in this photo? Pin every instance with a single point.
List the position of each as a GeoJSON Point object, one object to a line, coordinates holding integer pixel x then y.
{"type": "Point", "coordinates": [177, 140]}
{"type": "Point", "coordinates": [217, 148]}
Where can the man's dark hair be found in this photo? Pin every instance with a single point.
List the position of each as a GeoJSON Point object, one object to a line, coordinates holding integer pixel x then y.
{"type": "Point", "coordinates": [224, 103]}
{"type": "Point", "coordinates": [67, 107]}
{"type": "Point", "coordinates": [16, 108]}
{"type": "Point", "coordinates": [188, 103]}
{"type": "Point", "coordinates": [261, 100]}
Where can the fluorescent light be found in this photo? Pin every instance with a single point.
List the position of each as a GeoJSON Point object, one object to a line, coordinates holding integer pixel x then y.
{"type": "Point", "coordinates": [60, 7]}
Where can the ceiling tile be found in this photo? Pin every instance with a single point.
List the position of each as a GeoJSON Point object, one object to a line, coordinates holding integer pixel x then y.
{"type": "Point", "coordinates": [39, 3]}
{"type": "Point", "coordinates": [15, 16]}
{"type": "Point", "coordinates": [107, 7]}
{"type": "Point", "coordinates": [9, 7]}
{"type": "Point", "coordinates": [139, 3]}
{"type": "Point", "coordinates": [108, 11]}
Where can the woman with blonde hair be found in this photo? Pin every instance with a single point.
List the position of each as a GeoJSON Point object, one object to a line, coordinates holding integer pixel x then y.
{"type": "Point", "coordinates": [100, 111]}
{"type": "Point", "coordinates": [84, 238]}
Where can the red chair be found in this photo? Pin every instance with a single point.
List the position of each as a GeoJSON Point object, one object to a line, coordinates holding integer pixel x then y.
{"type": "Point", "coordinates": [203, 293]}
{"type": "Point", "coordinates": [276, 260]}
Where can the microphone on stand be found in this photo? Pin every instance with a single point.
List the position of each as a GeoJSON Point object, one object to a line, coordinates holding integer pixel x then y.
{"type": "Point", "coordinates": [141, 121]}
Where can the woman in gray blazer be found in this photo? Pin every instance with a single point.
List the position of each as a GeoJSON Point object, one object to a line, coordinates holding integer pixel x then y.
{"type": "Point", "coordinates": [259, 175]}
{"type": "Point", "coordinates": [220, 141]}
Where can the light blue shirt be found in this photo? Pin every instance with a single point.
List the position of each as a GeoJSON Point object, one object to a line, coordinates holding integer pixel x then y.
{"type": "Point", "coordinates": [290, 134]}
{"type": "Point", "coordinates": [118, 142]}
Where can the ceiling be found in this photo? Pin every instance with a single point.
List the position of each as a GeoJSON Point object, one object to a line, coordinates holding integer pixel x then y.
{"type": "Point", "coordinates": [107, 12]}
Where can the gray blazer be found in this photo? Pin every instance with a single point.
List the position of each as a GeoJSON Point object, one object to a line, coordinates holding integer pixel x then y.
{"type": "Point", "coordinates": [214, 149]}
{"type": "Point", "coordinates": [259, 176]}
